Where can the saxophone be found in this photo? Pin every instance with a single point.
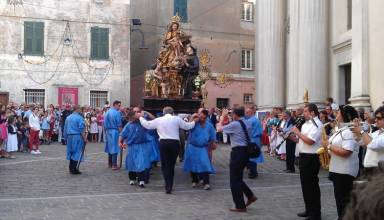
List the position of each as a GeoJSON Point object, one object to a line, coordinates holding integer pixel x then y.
{"type": "Point", "coordinates": [324, 156]}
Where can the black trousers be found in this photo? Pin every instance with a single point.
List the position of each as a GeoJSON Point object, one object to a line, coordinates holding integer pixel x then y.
{"type": "Point", "coordinates": [342, 187]}
{"type": "Point", "coordinates": [290, 160]}
{"type": "Point", "coordinates": [140, 176]}
{"type": "Point", "coordinates": [196, 177]}
{"type": "Point", "coordinates": [309, 166]}
{"type": "Point", "coordinates": [238, 161]}
{"type": "Point", "coordinates": [169, 150]}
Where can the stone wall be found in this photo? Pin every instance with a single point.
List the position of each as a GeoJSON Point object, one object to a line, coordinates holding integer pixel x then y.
{"type": "Point", "coordinates": [66, 66]}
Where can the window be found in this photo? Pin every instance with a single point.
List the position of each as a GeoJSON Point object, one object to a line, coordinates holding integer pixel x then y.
{"type": "Point", "coordinates": [180, 7]}
{"type": "Point", "coordinates": [36, 96]}
{"type": "Point", "coordinates": [97, 99]}
{"type": "Point", "coordinates": [246, 59]}
{"type": "Point", "coordinates": [248, 98]}
{"type": "Point", "coordinates": [247, 11]}
{"type": "Point", "coordinates": [349, 22]}
{"type": "Point", "coordinates": [222, 103]}
{"type": "Point", "coordinates": [34, 38]}
{"type": "Point", "coordinates": [99, 43]}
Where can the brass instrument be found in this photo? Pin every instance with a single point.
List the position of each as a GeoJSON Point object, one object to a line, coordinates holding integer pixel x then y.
{"type": "Point", "coordinates": [351, 125]}
{"type": "Point", "coordinates": [324, 156]}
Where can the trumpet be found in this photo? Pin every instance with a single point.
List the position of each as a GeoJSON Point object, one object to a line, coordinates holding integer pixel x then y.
{"type": "Point", "coordinates": [351, 125]}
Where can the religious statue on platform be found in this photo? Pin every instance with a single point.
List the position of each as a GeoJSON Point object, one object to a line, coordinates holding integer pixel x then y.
{"type": "Point", "coordinates": [175, 67]}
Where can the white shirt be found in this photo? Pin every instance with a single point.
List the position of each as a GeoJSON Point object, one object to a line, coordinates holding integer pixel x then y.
{"type": "Point", "coordinates": [167, 126]}
{"type": "Point", "coordinates": [34, 122]}
{"type": "Point", "coordinates": [375, 150]}
{"type": "Point", "coordinates": [313, 132]}
{"type": "Point", "coordinates": [345, 139]}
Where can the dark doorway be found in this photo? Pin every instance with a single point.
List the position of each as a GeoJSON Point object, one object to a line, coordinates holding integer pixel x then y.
{"type": "Point", "coordinates": [345, 83]}
{"type": "Point", "coordinates": [4, 98]}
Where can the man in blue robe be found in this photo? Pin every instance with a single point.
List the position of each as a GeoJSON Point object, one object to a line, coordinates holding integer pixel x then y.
{"type": "Point", "coordinates": [255, 136]}
{"type": "Point", "coordinates": [113, 125]}
{"type": "Point", "coordinates": [138, 140]}
{"type": "Point", "coordinates": [197, 160]}
{"type": "Point", "coordinates": [75, 137]}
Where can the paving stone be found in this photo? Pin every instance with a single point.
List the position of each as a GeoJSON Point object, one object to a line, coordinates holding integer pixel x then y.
{"type": "Point", "coordinates": [39, 187]}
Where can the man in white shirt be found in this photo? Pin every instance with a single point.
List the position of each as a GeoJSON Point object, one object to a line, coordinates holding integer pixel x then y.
{"type": "Point", "coordinates": [374, 143]}
{"type": "Point", "coordinates": [309, 165]}
{"type": "Point", "coordinates": [168, 127]}
{"type": "Point", "coordinates": [34, 124]}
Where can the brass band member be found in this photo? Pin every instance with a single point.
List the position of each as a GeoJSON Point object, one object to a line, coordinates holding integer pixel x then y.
{"type": "Point", "coordinates": [374, 143]}
{"type": "Point", "coordinates": [309, 165]}
{"type": "Point", "coordinates": [344, 164]}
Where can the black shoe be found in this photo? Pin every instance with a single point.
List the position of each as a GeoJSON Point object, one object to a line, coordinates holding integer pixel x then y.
{"type": "Point", "coordinates": [76, 172]}
{"type": "Point", "coordinates": [313, 218]}
{"type": "Point", "coordinates": [302, 214]}
{"type": "Point", "coordinates": [168, 190]}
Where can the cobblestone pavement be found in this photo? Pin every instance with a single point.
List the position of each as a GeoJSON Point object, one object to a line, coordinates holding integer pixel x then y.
{"type": "Point", "coordinates": [39, 187]}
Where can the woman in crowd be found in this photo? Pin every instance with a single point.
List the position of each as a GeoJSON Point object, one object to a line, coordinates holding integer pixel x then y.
{"type": "Point", "coordinates": [197, 161]}
{"type": "Point", "coordinates": [34, 124]}
{"type": "Point", "coordinates": [344, 164]}
{"type": "Point", "coordinates": [136, 138]}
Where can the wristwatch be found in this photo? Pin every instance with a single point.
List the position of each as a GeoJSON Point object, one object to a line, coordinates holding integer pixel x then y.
{"type": "Point", "coordinates": [362, 132]}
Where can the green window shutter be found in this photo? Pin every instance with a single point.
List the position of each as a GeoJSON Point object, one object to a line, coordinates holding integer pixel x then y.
{"type": "Point", "coordinates": [34, 38]}
{"type": "Point", "coordinates": [39, 38]}
{"type": "Point", "coordinates": [94, 41]}
{"type": "Point", "coordinates": [28, 37]}
{"type": "Point", "coordinates": [181, 7]}
{"type": "Point", "coordinates": [104, 43]}
{"type": "Point", "coordinates": [99, 43]}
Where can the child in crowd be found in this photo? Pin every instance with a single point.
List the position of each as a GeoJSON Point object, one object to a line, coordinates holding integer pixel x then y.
{"type": "Point", "coordinates": [45, 126]}
{"type": "Point", "coordinates": [24, 136]}
{"type": "Point", "coordinates": [12, 137]}
{"type": "Point", "coordinates": [19, 121]}
{"type": "Point", "coordinates": [94, 129]}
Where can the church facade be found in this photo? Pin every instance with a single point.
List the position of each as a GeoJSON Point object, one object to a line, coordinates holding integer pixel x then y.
{"type": "Point", "coordinates": [331, 48]}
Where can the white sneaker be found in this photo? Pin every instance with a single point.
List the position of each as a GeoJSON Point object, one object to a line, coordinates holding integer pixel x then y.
{"type": "Point", "coordinates": [207, 187]}
{"type": "Point", "coordinates": [141, 184]}
{"type": "Point", "coordinates": [38, 152]}
{"type": "Point", "coordinates": [131, 182]}
{"type": "Point", "coordinates": [33, 152]}
{"type": "Point", "coordinates": [194, 185]}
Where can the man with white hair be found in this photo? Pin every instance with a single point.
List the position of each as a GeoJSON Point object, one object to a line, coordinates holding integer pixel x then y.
{"type": "Point", "coordinates": [168, 127]}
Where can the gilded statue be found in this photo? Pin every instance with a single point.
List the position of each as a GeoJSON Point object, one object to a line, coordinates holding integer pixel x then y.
{"type": "Point", "coordinates": [176, 65]}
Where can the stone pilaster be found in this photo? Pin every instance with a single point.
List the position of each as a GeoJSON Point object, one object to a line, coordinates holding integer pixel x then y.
{"type": "Point", "coordinates": [270, 52]}
{"type": "Point", "coordinates": [360, 68]}
{"type": "Point", "coordinates": [308, 51]}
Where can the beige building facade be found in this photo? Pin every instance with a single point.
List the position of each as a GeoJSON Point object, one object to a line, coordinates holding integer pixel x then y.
{"type": "Point", "coordinates": [222, 28]}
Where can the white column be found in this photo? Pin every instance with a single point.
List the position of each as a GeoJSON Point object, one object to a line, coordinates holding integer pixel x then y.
{"type": "Point", "coordinates": [270, 53]}
{"type": "Point", "coordinates": [308, 51]}
{"type": "Point", "coordinates": [360, 70]}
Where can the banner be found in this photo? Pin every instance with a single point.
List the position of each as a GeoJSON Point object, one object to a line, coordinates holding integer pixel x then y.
{"type": "Point", "coordinates": [68, 96]}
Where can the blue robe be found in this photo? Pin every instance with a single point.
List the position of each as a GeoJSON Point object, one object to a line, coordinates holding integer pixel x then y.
{"type": "Point", "coordinates": [196, 157]}
{"type": "Point", "coordinates": [155, 152]}
{"type": "Point", "coordinates": [139, 145]}
{"type": "Point", "coordinates": [255, 136]}
{"type": "Point", "coordinates": [73, 127]}
{"type": "Point", "coordinates": [112, 122]}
